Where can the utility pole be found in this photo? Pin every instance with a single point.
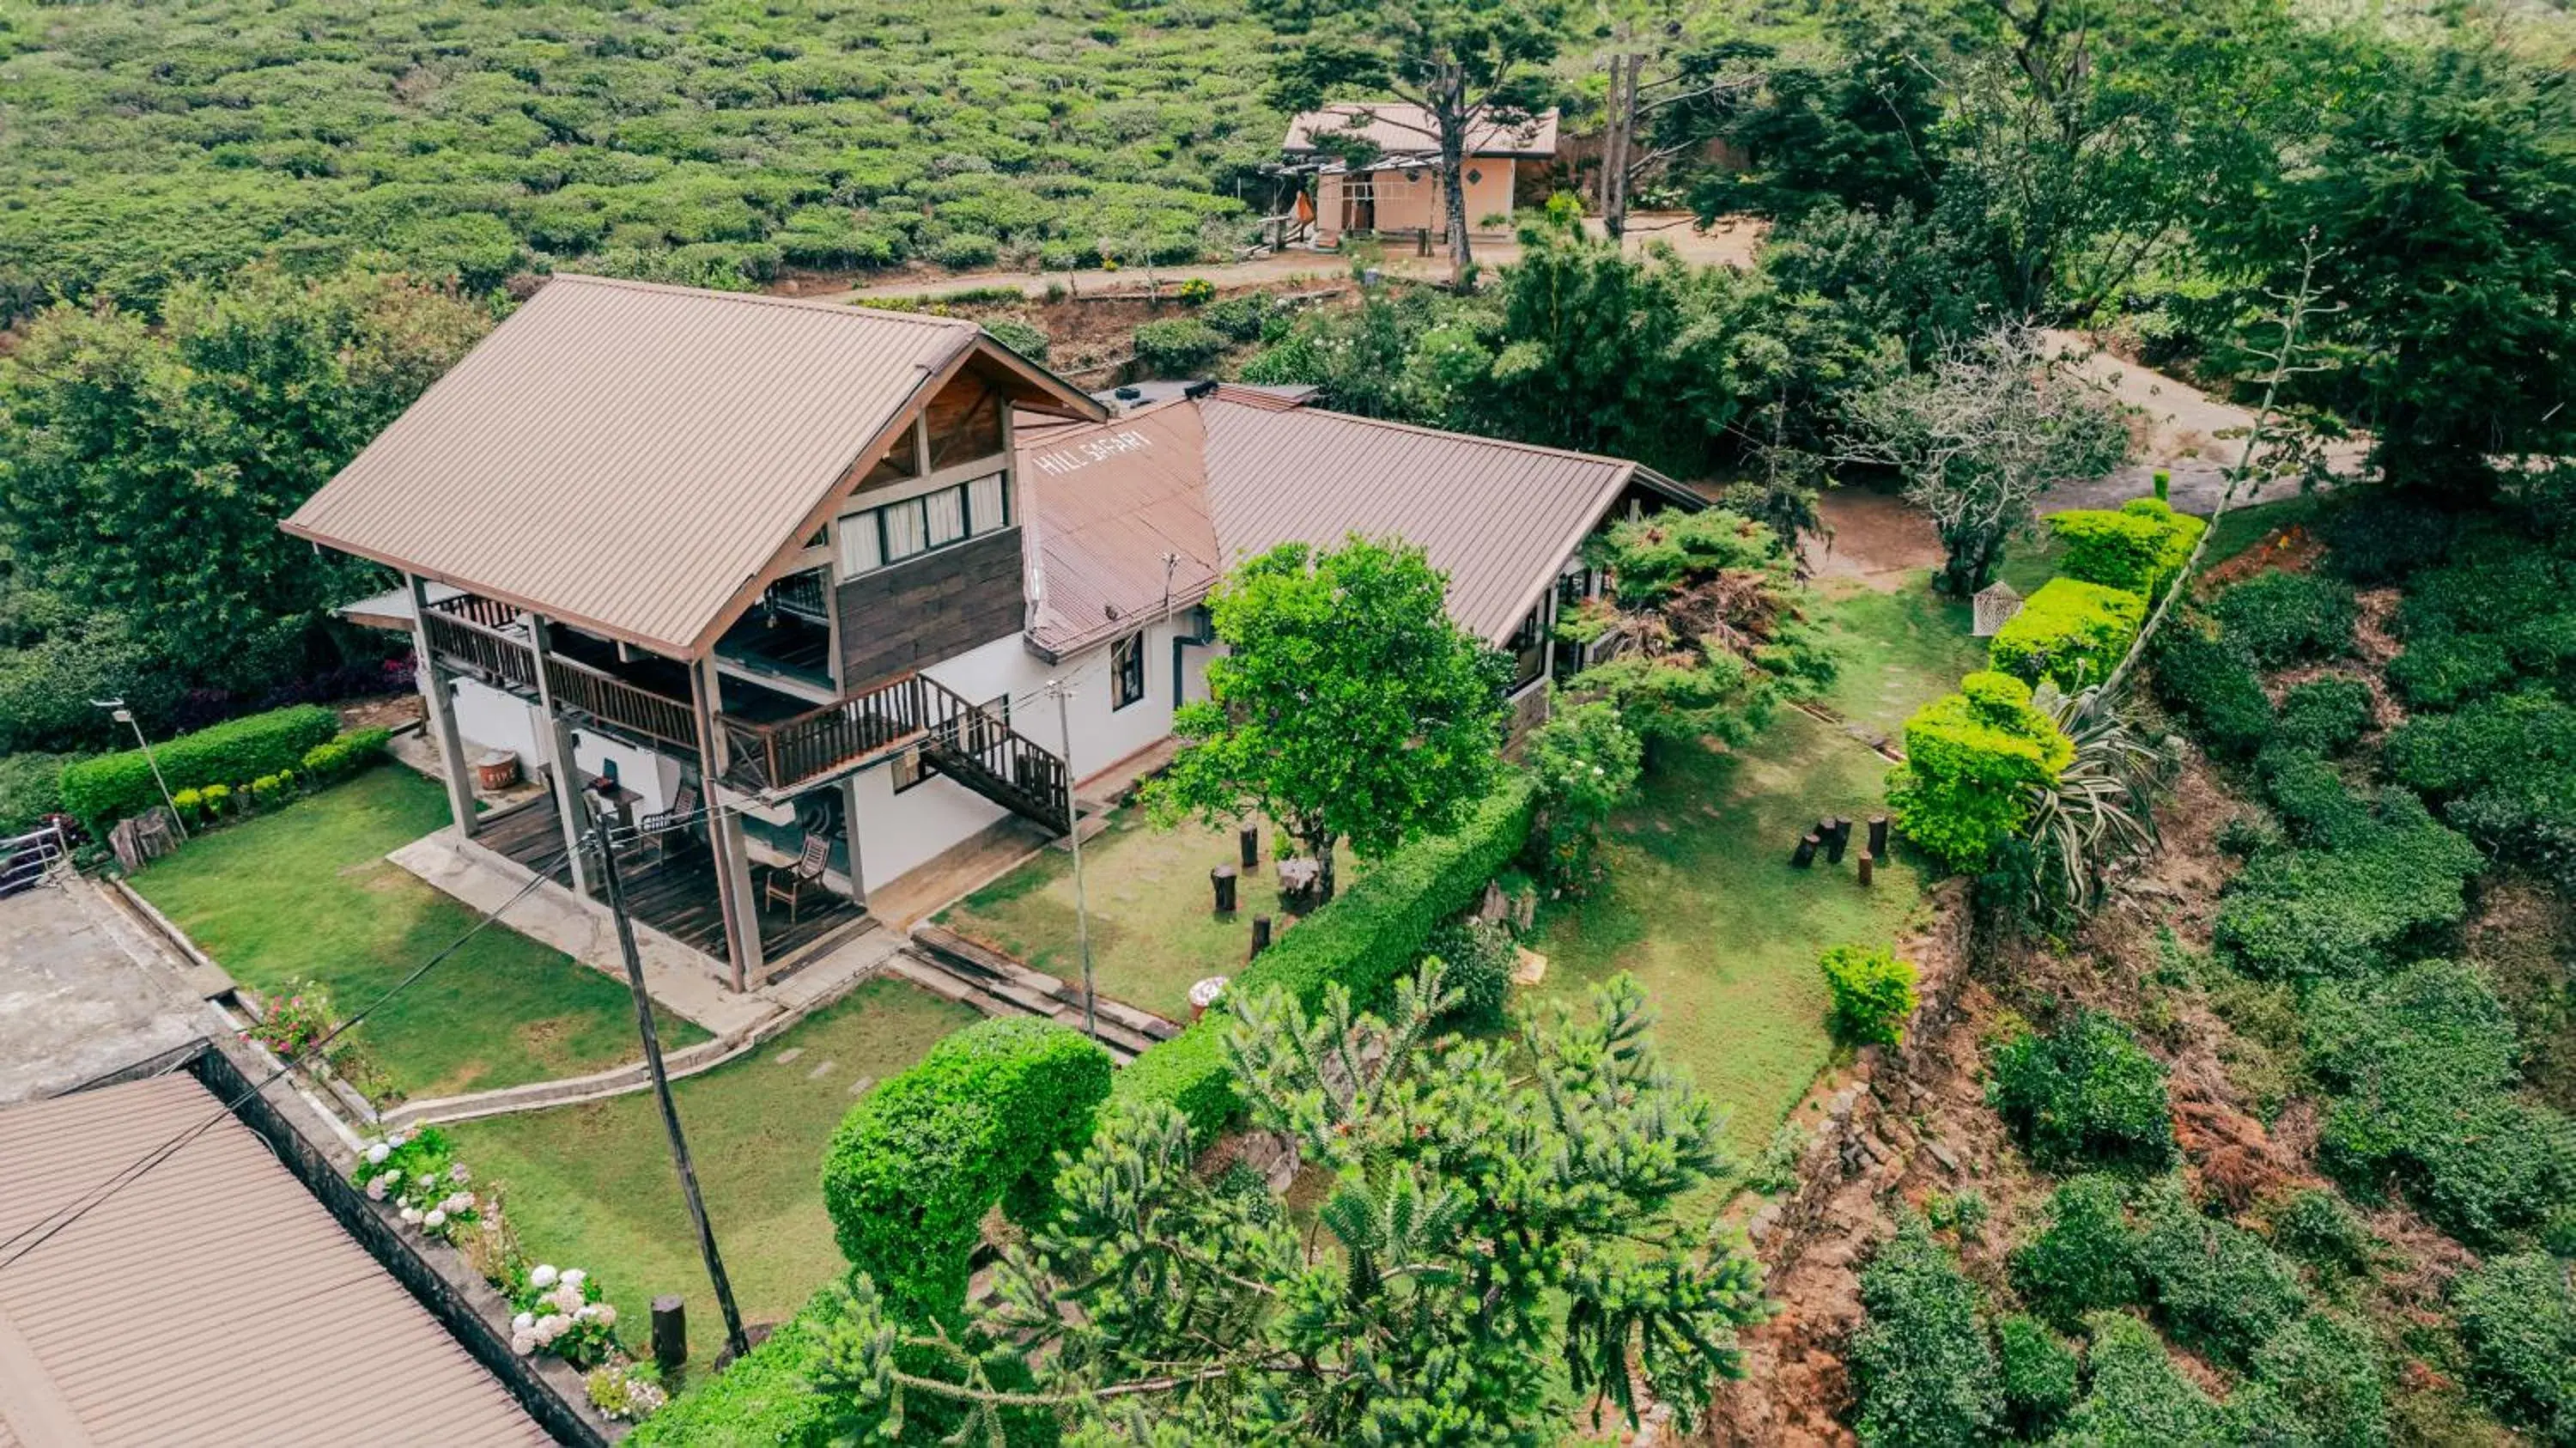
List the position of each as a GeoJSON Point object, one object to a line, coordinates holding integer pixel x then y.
{"type": "Point", "coordinates": [735, 1342]}
{"type": "Point", "coordinates": [117, 711]}
{"type": "Point", "coordinates": [1073, 825]}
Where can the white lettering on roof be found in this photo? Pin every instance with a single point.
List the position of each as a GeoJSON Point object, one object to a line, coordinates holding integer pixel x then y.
{"type": "Point", "coordinates": [1083, 454]}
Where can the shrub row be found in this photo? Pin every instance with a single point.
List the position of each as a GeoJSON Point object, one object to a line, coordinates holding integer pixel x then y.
{"type": "Point", "coordinates": [1372, 933]}
{"type": "Point", "coordinates": [2139, 547]}
{"type": "Point", "coordinates": [2070, 632]}
{"type": "Point", "coordinates": [112, 786]}
{"type": "Point", "coordinates": [1971, 760]}
{"type": "Point", "coordinates": [916, 1165]}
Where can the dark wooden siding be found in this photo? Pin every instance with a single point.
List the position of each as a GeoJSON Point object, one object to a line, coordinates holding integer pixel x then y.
{"type": "Point", "coordinates": [930, 608]}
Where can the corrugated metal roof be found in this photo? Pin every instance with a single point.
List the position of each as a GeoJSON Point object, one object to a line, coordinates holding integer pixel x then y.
{"type": "Point", "coordinates": [212, 1302]}
{"type": "Point", "coordinates": [1496, 517]}
{"type": "Point", "coordinates": [629, 457]}
{"type": "Point", "coordinates": [1406, 130]}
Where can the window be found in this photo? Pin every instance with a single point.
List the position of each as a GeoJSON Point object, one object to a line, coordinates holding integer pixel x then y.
{"type": "Point", "coordinates": [1127, 671]}
{"type": "Point", "coordinates": [1528, 648]}
{"type": "Point", "coordinates": [892, 532]}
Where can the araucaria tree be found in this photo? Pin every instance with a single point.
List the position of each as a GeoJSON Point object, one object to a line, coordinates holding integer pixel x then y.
{"type": "Point", "coordinates": [1503, 1226]}
{"type": "Point", "coordinates": [1347, 705]}
{"type": "Point", "coordinates": [1704, 630]}
{"type": "Point", "coordinates": [1469, 65]}
{"type": "Point", "coordinates": [1993, 424]}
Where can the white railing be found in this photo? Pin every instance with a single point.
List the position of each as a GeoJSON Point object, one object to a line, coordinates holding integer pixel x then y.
{"type": "Point", "coordinates": [29, 859]}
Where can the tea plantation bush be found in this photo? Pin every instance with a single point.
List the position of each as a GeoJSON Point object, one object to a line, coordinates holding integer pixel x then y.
{"type": "Point", "coordinates": [2084, 1094]}
{"type": "Point", "coordinates": [2503, 770]}
{"type": "Point", "coordinates": [2210, 680]}
{"type": "Point", "coordinates": [2038, 1374]}
{"type": "Point", "coordinates": [2214, 1285]}
{"type": "Point", "coordinates": [2323, 716]}
{"type": "Point", "coordinates": [1921, 1366]}
{"type": "Point", "coordinates": [1177, 346]}
{"type": "Point", "coordinates": [2518, 1317]}
{"type": "Point", "coordinates": [2283, 618]}
{"type": "Point", "coordinates": [2306, 913]}
{"type": "Point", "coordinates": [2086, 1258]}
{"type": "Point", "coordinates": [2136, 1397]}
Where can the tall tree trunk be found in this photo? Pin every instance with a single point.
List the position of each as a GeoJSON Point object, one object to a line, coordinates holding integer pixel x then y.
{"type": "Point", "coordinates": [1452, 117]}
{"type": "Point", "coordinates": [1617, 142]}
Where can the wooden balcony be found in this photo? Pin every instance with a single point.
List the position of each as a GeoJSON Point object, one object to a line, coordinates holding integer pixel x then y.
{"type": "Point", "coordinates": [490, 640]}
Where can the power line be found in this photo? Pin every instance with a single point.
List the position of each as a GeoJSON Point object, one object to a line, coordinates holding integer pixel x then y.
{"type": "Point", "coordinates": [53, 1223]}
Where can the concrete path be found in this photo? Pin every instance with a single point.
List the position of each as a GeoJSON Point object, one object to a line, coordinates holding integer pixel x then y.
{"type": "Point", "coordinates": [84, 991]}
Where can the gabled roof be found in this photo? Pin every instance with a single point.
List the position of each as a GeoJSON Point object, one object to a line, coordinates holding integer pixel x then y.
{"type": "Point", "coordinates": [631, 458]}
{"type": "Point", "coordinates": [213, 1300]}
{"type": "Point", "coordinates": [1112, 499]}
{"type": "Point", "coordinates": [1406, 130]}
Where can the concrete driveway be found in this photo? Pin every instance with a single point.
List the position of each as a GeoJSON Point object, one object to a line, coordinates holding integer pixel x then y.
{"type": "Point", "coordinates": [84, 992]}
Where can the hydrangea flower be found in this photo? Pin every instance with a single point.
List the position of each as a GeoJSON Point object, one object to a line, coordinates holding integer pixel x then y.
{"type": "Point", "coordinates": [376, 1190]}
{"type": "Point", "coordinates": [459, 1175]}
{"type": "Point", "coordinates": [524, 1344]}
{"type": "Point", "coordinates": [574, 1277]}
{"type": "Point", "coordinates": [377, 1153]}
{"type": "Point", "coordinates": [411, 1215]}
{"type": "Point", "coordinates": [603, 1314]}
{"type": "Point", "coordinates": [543, 1276]}
{"type": "Point", "coordinates": [523, 1322]}
{"type": "Point", "coordinates": [433, 1219]}
{"type": "Point", "coordinates": [568, 1297]}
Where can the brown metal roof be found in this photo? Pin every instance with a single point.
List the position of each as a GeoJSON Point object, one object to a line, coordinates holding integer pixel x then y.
{"type": "Point", "coordinates": [631, 457]}
{"type": "Point", "coordinates": [1497, 517]}
{"type": "Point", "coordinates": [212, 1302]}
{"type": "Point", "coordinates": [1405, 130]}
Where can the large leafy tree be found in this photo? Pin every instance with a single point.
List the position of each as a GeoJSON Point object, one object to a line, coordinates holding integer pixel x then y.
{"type": "Point", "coordinates": [1468, 64]}
{"type": "Point", "coordinates": [1505, 1222]}
{"type": "Point", "coordinates": [1347, 705]}
{"type": "Point", "coordinates": [145, 468]}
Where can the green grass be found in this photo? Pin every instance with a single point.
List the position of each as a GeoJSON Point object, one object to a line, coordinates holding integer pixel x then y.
{"type": "Point", "coordinates": [1154, 931]}
{"type": "Point", "coordinates": [592, 1186]}
{"type": "Point", "coordinates": [305, 893]}
{"type": "Point", "coordinates": [2242, 528]}
{"type": "Point", "coordinates": [1894, 651]}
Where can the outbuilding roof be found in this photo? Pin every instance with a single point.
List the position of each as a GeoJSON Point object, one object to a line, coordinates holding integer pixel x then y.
{"type": "Point", "coordinates": [631, 458]}
{"type": "Point", "coordinates": [213, 1301]}
{"type": "Point", "coordinates": [1409, 130]}
{"type": "Point", "coordinates": [1218, 478]}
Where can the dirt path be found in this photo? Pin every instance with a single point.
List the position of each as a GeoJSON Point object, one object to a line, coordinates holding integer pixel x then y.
{"type": "Point", "coordinates": [1731, 242]}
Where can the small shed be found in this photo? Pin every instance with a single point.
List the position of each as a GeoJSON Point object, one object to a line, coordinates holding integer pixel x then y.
{"type": "Point", "coordinates": [1995, 605]}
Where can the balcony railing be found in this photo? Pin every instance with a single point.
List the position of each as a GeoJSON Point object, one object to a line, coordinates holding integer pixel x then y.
{"type": "Point", "coordinates": [490, 639]}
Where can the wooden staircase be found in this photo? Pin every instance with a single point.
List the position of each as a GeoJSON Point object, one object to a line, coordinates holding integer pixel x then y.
{"type": "Point", "coordinates": [971, 743]}
{"type": "Point", "coordinates": [951, 966]}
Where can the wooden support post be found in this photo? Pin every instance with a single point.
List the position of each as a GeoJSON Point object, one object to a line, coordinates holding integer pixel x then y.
{"type": "Point", "coordinates": [1249, 841]}
{"type": "Point", "coordinates": [1878, 836]}
{"type": "Point", "coordinates": [1837, 839]}
{"type": "Point", "coordinates": [724, 832]}
{"type": "Point", "coordinates": [670, 1336]}
{"type": "Point", "coordinates": [1260, 934]}
{"type": "Point", "coordinates": [1865, 865]}
{"type": "Point", "coordinates": [442, 712]}
{"type": "Point", "coordinates": [1806, 853]}
{"type": "Point", "coordinates": [559, 743]}
{"type": "Point", "coordinates": [1223, 877]}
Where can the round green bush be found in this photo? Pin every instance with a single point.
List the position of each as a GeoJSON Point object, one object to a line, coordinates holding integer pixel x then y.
{"type": "Point", "coordinates": [2326, 716]}
{"type": "Point", "coordinates": [965, 252]}
{"type": "Point", "coordinates": [2282, 618]}
{"type": "Point", "coordinates": [1971, 760]}
{"type": "Point", "coordinates": [2084, 1094]}
{"type": "Point", "coordinates": [1921, 1366]}
{"type": "Point", "coordinates": [2518, 1317]}
{"type": "Point", "coordinates": [2038, 1374]}
{"type": "Point", "coordinates": [1872, 993]}
{"type": "Point", "coordinates": [2086, 1258]}
{"type": "Point", "coordinates": [2071, 632]}
{"type": "Point", "coordinates": [1177, 346]}
{"type": "Point", "coordinates": [1477, 958]}
{"type": "Point", "coordinates": [2211, 681]}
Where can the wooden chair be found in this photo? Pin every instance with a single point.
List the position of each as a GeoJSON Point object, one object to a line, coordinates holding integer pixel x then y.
{"type": "Point", "coordinates": [660, 833]}
{"type": "Point", "coordinates": [787, 882]}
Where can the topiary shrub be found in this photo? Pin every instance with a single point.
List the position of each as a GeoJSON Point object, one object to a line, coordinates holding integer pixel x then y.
{"type": "Point", "coordinates": [1921, 1367]}
{"type": "Point", "coordinates": [1478, 956]}
{"type": "Point", "coordinates": [106, 789]}
{"type": "Point", "coordinates": [2070, 632]}
{"type": "Point", "coordinates": [915, 1166]}
{"type": "Point", "coordinates": [2139, 547]}
{"type": "Point", "coordinates": [2038, 1374]}
{"type": "Point", "coordinates": [1872, 994]}
{"type": "Point", "coordinates": [2283, 618]}
{"type": "Point", "coordinates": [766, 1397]}
{"type": "Point", "coordinates": [2211, 681]}
{"type": "Point", "coordinates": [2084, 1094]}
{"type": "Point", "coordinates": [2518, 1318]}
{"type": "Point", "coordinates": [1177, 346]}
{"type": "Point", "coordinates": [2086, 1258]}
{"type": "Point", "coordinates": [1971, 760]}
{"type": "Point", "coordinates": [2324, 716]}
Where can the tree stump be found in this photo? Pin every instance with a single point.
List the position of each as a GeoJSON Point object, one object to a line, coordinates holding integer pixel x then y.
{"type": "Point", "coordinates": [1864, 865]}
{"type": "Point", "coordinates": [1837, 841]}
{"type": "Point", "coordinates": [1878, 836]}
{"type": "Point", "coordinates": [1260, 934]}
{"type": "Point", "coordinates": [1249, 840]}
{"type": "Point", "coordinates": [670, 1336]}
{"type": "Point", "coordinates": [1806, 853]}
{"type": "Point", "coordinates": [1223, 877]}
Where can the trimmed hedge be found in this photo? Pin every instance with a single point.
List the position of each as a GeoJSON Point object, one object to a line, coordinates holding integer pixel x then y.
{"type": "Point", "coordinates": [1372, 933]}
{"type": "Point", "coordinates": [2140, 547]}
{"type": "Point", "coordinates": [2070, 631]}
{"type": "Point", "coordinates": [106, 789]}
{"type": "Point", "coordinates": [914, 1167]}
{"type": "Point", "coordinates": [1971, 759]}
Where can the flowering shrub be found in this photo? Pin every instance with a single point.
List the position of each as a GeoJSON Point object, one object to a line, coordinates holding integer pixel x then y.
{"type": "Point", "coordinates": [418, 1172]}
{"type": "Point", "coordinates": [626, 1391]}
{"type": "Point", "coordinates": [560, 1314]}
{"type": "Point", "coordinates": [1586, 762]}
{"type": "Point", "coordinates": [295, 1022]}
{"type": "Point", "coordinates": [218, 798]}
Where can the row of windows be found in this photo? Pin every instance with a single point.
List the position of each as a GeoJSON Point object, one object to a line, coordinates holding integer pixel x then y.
{"type": "Point", "coordinates": [892, 532]}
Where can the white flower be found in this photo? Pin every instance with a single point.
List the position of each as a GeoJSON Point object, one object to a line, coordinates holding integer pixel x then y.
{"type": "Point", "coordinates": [433, 1219]}
{"type": "Point", "coordinates": [604, 1314]}
{"type": "Point", "coordinates": [543, 1276]}
{"type": "Point", "coordinates": [375, 1191]}
{"type": "Point", "coordinates": [377, 1153]}
{"type": "Point", "coordinates": [398, 1139]}
{"type": "Point", "coordinates": [586, 1312]}
{"type": "Point", "coordinates": [411, 1215]}
{"type": "Point", "coordinates": [523, 1322]}
{"type": "Point", "coordinates": [523, 1343]}
{"type": "Point", "coordinates": [459, 1175]}
{"type": "Point", "coordinates": [574, 1277]}
{"type": "Point", "coordinates": [568, 1297]}
{"type": "Point", "coordinates": [429, 1179]}
{"type": "Point", "coordinates": [551, 1326]}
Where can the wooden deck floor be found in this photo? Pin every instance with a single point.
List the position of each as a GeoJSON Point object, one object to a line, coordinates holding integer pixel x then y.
{"type": "Point", "coordinates": [677, 897]}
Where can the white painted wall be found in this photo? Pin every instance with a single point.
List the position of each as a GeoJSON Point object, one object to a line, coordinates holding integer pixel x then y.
{"type": "Point", "coordinates": [492, 718]}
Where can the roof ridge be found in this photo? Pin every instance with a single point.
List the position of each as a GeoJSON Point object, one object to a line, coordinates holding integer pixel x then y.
{"type": "Point", "coordinates": [802, 304]}
{"type": "Point", "coordinates": [1440, 432]}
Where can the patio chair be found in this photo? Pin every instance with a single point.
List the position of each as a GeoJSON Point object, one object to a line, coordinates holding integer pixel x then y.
{"type": "Point", "coordinates": [787, 882]}
{"type": "Point", "coordinates": [658, 834]}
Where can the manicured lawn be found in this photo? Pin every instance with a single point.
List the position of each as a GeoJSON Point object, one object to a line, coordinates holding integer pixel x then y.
{"type": "Point", "coordinates": [305, 893]}
{"type": "Point", "coordinates": [592, 1185]}
{"type": "Point", "coordinates": [1154, 928]}
{"type": "Point", "coordinates": [1894, 651]}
